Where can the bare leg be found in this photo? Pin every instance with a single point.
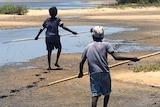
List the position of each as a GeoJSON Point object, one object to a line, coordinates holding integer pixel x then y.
{"type": "Point", "coordinates": [94, 101]}
{"type": "Point", "coordinates": [58, 55]}
{"type": "Point", "coordinates": [49, 59]}
{"type": "Point", "coordinates": [106, 99]}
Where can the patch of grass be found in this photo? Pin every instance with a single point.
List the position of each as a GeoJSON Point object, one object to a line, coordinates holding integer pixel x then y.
{"type": "Point", "coordinates": [134, 5]}
{"type": "Point", "coordinates": [138, 1]}
{"type": "Point", "coordinates": [147, 68]}
{"type": "Point", "coordinates": [12, 9]}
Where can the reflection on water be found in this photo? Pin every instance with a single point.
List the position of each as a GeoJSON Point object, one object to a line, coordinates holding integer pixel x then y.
{"type": "Point", "coordinates": [26, 50]}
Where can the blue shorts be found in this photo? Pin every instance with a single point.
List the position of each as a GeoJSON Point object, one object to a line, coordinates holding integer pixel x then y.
{"type": "Point", "coordinates": [100, 84]}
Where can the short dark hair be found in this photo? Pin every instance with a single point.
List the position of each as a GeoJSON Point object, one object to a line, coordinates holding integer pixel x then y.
{"type": "Point", "coordinates": [53, 11]}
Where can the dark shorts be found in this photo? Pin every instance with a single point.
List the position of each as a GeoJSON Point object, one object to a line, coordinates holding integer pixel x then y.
{"type": "Point", "coordinates": [100, 84]}
{"type": "Point", "coordinates": [53, 42]}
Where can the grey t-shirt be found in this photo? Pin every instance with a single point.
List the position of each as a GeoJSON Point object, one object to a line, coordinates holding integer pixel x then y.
{"type": "Point", "coordinates": [96, 54]}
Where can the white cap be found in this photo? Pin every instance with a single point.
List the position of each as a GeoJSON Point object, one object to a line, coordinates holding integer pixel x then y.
{"type": "Point", "coordinates": [97, 32]}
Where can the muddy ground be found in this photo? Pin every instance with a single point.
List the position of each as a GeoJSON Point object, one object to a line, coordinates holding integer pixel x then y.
{"type": "Point", "coordinates": [28, 87]}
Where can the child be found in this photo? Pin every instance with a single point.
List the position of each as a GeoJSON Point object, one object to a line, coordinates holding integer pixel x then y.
{"type": "Point", "coordinates": [52, 35]}
{"type": "Point", "coordinates": [96, 55]}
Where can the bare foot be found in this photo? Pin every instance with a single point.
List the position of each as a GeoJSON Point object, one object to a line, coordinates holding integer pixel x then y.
{"type": "Point", "coordinates": [49, 68]}
{"type": "Point", "coordinates": [57, 65]}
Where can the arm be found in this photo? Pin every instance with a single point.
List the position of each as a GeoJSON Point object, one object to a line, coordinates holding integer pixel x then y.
{"type": "Point", "coordinates": [116, 57]}
{"type": "Point", "coordinates": [65, 28]}
{"type": "Point", "coordinates": [81, 68]}
{"type": "Point", "coordinates": [40, 31]}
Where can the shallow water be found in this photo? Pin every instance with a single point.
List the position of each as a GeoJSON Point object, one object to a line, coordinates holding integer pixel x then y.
{"type": "Point", "coordinates": [69, 4]}
{"type": "Point", "coordinates": [24, 51]}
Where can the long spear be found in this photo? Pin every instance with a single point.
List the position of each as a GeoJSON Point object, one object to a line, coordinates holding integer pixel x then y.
{"type": "Point", "coordinates": [110, 66]}
{"type": "Point", "coordinates": [27, 39]}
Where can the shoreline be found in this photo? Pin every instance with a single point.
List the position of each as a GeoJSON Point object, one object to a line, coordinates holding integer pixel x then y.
{"type": "Point", "coordinates": [35, 18]}
{"type": "Point", "coordinates": [92, 16]}
{"type": "Point", "coordinates": [21, 86]}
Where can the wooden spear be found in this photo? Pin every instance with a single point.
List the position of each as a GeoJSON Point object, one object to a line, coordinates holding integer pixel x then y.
{"type": "Point", "coordinates": [110, 66]}
{"type": "Point", "coordinates": [27, 39]}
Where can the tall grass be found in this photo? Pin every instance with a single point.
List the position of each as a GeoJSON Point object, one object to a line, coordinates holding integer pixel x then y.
{"type": "Point", "coordinates": [12, 9]}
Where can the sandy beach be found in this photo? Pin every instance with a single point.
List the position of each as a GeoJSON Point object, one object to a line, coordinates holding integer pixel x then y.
{"type": "Point", "coordinates": [22, 86]}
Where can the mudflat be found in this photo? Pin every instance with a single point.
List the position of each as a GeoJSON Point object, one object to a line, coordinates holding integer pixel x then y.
{"type": "Point", "coordinates": [24, 86]}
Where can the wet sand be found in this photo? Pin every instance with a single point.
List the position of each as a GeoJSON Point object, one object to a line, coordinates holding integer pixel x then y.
{"type": "Point", "coordinates": [24, 87]}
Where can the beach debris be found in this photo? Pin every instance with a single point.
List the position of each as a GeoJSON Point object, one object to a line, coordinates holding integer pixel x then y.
{"type": "Point", "coordinates": [154, 103]}
{"type": "Point", "coordinates": [15, 90]}
{"type": "Point", "coordinates": [30, 86]}
{"type": "Point", "coordinates": [41, 79]}
{"type": "Point", "coordinates": [37, 75]}
{"type": "Point", "coordinates": [3, 96]}
{"type": "Point", "coordinates": [35, 82]}
{"type": "Point", "coordinates": [45, 72]}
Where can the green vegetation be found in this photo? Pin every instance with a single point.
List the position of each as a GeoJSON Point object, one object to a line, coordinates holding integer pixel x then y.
{"type": "Point", "coordinates": [132, 3]}
{"type": "Point", "coordinates": [122, 2]}
{"type": "Point", "coordinates": [137, 3]}
{"type": "Point", "coordinates": [147, 68]}
{"type": "Point", "coordinates": [12, 9]}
